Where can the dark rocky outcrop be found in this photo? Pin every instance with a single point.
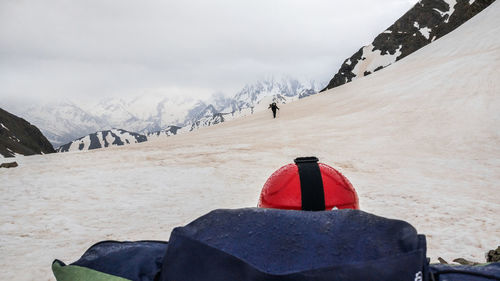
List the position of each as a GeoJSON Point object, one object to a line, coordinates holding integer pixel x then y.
{"type": "Point", "coordinates": [9, 165]}
{"type": "Point", "coordinates": [427, 21]}
{"type": "Point", "coordinates": [17, 136]}
{"type": "Point", "coordinates": [169, 131]}
{"type": "Point", "coordinates": [493, 255]}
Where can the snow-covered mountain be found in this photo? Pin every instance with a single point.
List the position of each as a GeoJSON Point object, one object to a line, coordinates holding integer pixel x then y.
{"type": "Point", "coordinates": [146, 113]}
{"type": "Point", "coordinates": [427, 21]}
{"type": "Point", "coordinates": [157, 114]}
{"type": "Point", "coordinates": [114, 137]}
{"type": "Point", "coordinates": [63, 122]}
{"type": "Point", "coordinates": [282, 91]}
{"type": "Point", "coordinates": [19, 137]}
{"type": "Point", "coordinates": [208, 117]}
{"type": "Point", "coordinates": [253, 98]}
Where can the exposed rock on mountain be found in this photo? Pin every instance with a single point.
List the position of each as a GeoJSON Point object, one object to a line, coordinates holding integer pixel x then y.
{"type": "Point", "coordinates": [9, 165]}
{"type": "Point", "coordinates": [427, 21]}
{"type": "Point", "coordinates": [17, 136]}
{"type": "Point", "coordinates": [169, 131]}
{"type": "Point", "coordinates": [208, 117]}
{"type": "Point", "coordinates": [114, 137]}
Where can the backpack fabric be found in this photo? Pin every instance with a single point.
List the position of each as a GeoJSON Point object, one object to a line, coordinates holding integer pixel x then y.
{"type": "Point", "coordinates": [268, 244]}
{"type": "Point", "coordinates": [486, 272]}
{"type": "Point", "coordinates": [115, 261]}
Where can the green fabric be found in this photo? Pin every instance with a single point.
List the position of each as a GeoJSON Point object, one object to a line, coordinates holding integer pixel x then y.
{"type": "Point", "coordinates": [78, 273]}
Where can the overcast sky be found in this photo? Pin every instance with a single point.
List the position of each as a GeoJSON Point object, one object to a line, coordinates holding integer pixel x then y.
{"type": "Point", "coordinates": [52, 49]}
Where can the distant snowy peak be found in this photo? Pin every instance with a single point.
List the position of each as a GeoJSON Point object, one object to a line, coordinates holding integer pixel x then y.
{"type": "Point", "coordinates": [144, 114]}
{"type": "Point", "coordinates": [427, 21]}
{"type": "Point", "coordinates": [62, 122]}
{"type": "Point", "coordinates": [208, 117]}
{"type": "Point", "coordinates": [221, 102]}
{"type": "Point", "coordinates": [114, 137]}
{"type": "Point", "coordinates": [251, 94]}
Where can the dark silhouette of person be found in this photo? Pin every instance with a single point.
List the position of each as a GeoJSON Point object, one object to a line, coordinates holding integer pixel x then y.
{"type": "Point", "coordinates": [273, 107]}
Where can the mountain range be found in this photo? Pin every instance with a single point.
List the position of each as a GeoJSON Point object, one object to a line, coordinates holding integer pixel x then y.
{"type": "Point", "coordinates": [68, 125]}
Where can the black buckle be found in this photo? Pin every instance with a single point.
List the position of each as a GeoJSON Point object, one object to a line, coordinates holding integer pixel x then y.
{"type": "Point", "coordinates": [310, 159]}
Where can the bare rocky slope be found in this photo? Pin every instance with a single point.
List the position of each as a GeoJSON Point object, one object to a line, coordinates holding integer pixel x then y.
{"type": "Point", "coordinates": [18, 136]}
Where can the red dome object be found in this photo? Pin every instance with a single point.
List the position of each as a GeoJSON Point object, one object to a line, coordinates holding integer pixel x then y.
{"type": "Point", "coordinates": [283, 189]}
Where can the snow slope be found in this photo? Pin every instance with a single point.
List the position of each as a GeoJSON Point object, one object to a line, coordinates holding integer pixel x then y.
{"type": "Point", "coordinates": [420, 141]}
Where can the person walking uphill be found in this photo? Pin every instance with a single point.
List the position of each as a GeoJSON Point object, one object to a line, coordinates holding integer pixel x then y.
{"type": "Point", "coordinates": [273, 107]}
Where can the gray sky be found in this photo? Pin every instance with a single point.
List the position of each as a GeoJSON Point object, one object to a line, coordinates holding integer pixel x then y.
{"type": "Point", "coordinates": [54, 49]}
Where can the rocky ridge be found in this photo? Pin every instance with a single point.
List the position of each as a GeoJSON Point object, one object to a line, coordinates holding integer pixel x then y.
{"type": "Point", "coordinates": [18, 136]}
{"type": "Point", "coordinates": [426, 22]}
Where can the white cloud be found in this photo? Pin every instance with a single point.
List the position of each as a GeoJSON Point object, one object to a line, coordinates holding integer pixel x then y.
{"type": "Point", "coordinates": [95, 48]}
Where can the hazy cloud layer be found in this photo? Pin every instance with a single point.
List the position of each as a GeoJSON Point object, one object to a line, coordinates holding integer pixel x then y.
{"type": "Point", "coordinates": [94, 48]}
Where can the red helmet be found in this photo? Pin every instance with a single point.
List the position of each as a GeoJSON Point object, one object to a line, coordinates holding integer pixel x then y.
{"type": "Point", "coordinates": [308, 185]}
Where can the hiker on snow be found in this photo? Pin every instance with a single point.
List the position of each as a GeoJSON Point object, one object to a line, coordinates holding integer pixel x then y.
{"type": "Point", "coordinates": [273, 107]}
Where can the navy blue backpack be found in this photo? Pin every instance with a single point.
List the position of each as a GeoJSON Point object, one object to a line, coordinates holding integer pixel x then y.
{"type": "Point", "coordinates": [267, 244]}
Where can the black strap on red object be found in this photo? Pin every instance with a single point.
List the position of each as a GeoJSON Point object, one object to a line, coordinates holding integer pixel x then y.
{"type": "Point", "coordinates": [311, 184]}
